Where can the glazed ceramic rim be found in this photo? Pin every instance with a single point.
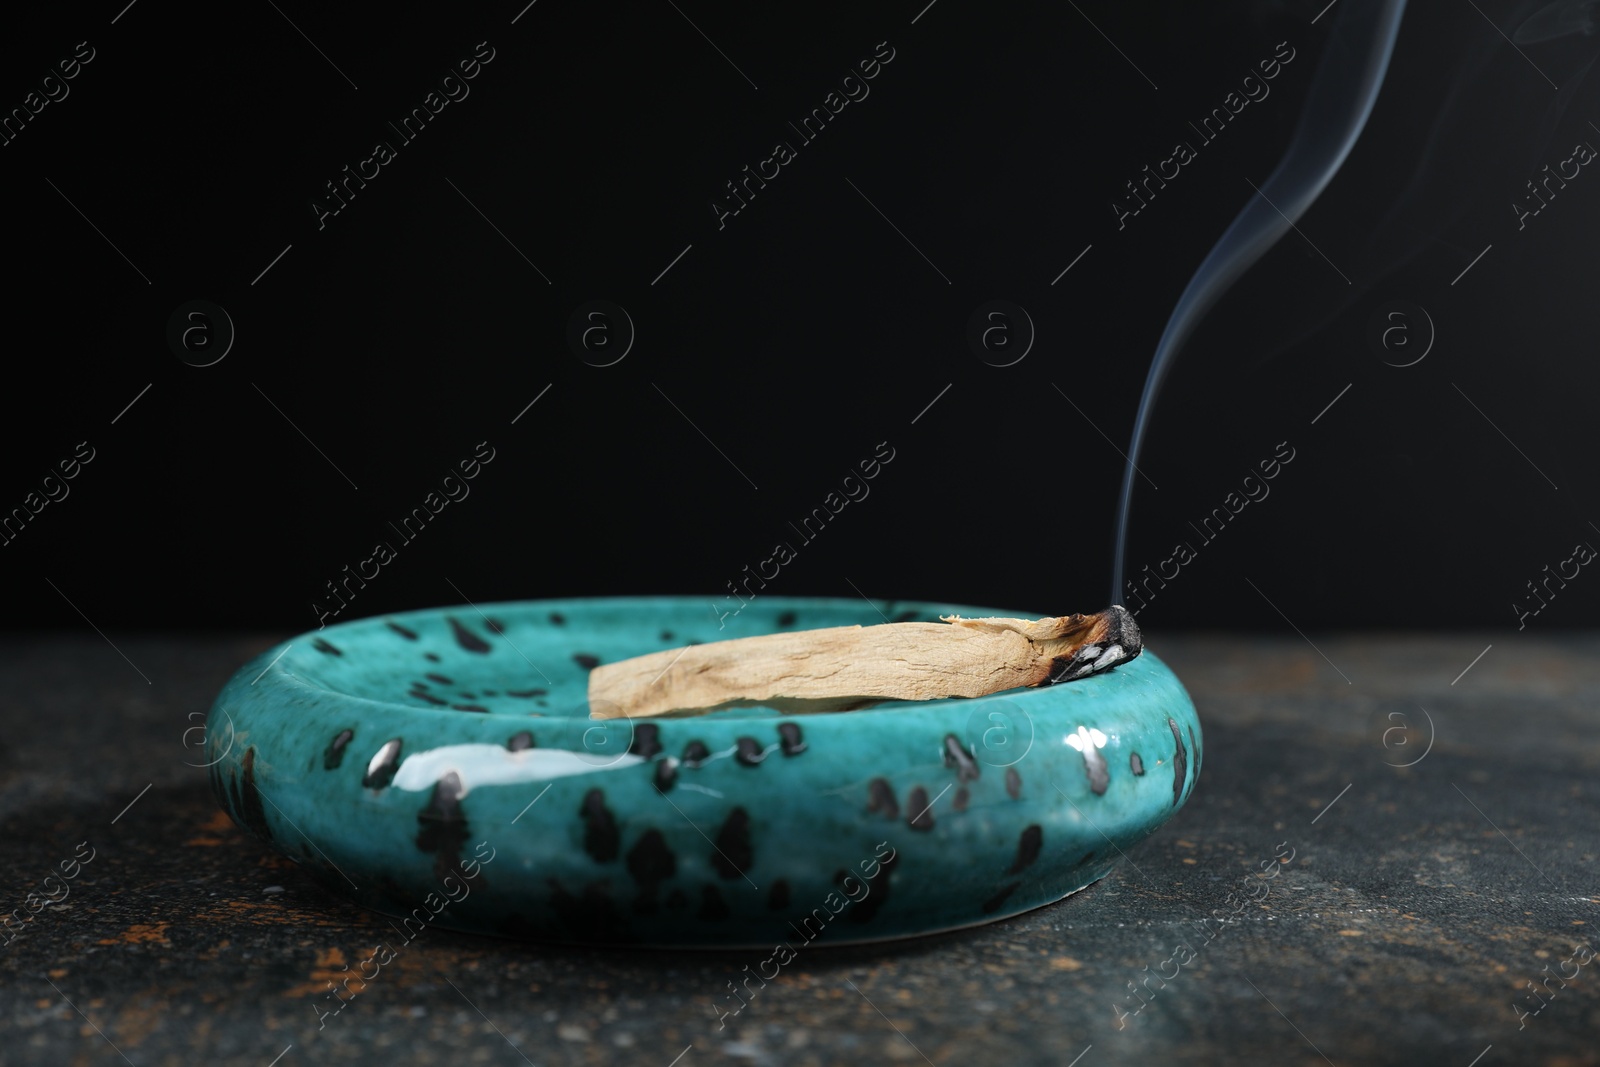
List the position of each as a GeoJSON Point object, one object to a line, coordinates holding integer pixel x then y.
{"type": "Point", "coordinates": [281, 675]}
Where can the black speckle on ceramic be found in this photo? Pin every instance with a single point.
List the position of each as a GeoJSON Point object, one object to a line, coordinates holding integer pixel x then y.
{"type": "Point", "coordinates": [877, 874]}
{"type": "Point", "coordinates": [957, 756]}
{"type": "Point", "coordinates": [1028, 846]}
{"type": "Point", "coordinates": [880, 798]}
{"type": "Point", "coordinates": [384, 762]}
{"type": "Point", "coordinates": [1089, 741]}
{"type": "Point", "coordinates": [790, 739]}
{"type": "Point", "coordinates": [733, 854]}
{"type": "Point", "coordinates": [601, 838]}
{"type": "Point", "coordinates": [652, 865]}
{"type": "Point", "coordinates": [666, 775]}
{"type": "Point", "coordinates": [468, 640]}
{"type": "Point", "coordinates": [646, 740]}
{"type": "Point", "coordinates": [996, 902]}
{"type": "Point", "coordinates": [333, 755]}
{"type": "Point", "coordinates": [1180, 764]}
{"type": "Point", "coordinates": [442, 825]}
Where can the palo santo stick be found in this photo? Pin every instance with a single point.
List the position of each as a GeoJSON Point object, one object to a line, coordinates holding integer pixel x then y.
{"type": "Point", "coordinates": [846, 667]}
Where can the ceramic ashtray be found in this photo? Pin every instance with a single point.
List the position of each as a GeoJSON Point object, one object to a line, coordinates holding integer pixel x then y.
{"type": "Point", "coordinates": [448, 767]}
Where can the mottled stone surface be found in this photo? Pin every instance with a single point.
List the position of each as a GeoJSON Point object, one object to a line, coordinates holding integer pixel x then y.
{"type": "Point", "coordinates": [1407, 919]}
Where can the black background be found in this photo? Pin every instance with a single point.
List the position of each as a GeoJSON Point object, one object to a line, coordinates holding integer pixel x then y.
{"type": "Point", "coordinates": [802, 334]}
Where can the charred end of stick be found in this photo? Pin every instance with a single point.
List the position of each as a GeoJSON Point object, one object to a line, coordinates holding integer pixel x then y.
{"type": "Point", "coordinates": [1114, 638]}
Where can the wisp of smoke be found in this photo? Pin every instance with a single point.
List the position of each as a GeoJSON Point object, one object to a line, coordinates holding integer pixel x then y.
{"type": "Point", "coordinates": [1338, 103]}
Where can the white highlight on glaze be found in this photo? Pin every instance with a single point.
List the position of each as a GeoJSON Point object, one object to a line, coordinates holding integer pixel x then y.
{"type": "Point", "coordinates": [384, 754]}
{"type": "Point", "coordinates": [1086, 737]}
{"type": "Point", "coordinates": [485, 764]}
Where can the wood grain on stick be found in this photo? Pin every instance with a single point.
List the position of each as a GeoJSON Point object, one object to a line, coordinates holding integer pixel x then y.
{"type": "Point", "coordinates": [846, 667]}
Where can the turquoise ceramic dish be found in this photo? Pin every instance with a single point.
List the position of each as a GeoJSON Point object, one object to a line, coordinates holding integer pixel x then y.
{"type": "Point", "coordinates": [441, 766]}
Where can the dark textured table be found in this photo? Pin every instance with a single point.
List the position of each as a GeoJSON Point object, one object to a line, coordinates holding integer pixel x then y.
{"type": "Point", "coordinates": [1416, 905]}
